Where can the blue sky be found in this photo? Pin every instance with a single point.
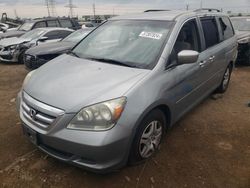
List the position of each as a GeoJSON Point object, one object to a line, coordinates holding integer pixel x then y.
{"type": "Point", "coordinates": [36, 8]}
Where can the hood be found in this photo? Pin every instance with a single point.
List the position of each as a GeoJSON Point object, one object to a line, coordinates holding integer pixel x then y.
{"type": "Point", "coordinates": [50, 48]}
{"type": "Point", "coordinates": [71, 83]}
{"type": "Point", "coordinates": [12, 41]}
{"type": "Point", "coordinates": [242, 34]}
{"type": "Point", "coordinates": [12, 33]}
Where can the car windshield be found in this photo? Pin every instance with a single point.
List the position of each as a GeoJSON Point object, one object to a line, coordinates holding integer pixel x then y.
{"type": "Point", "coordinates": [34, 34]}
{"type": "Point", "coordinates": [241, 24]}
{"type": "Point", "coordinates": [26, 27]}
{"type": "Point", "coordinates": [77, 35]}
{"type": "Point", "coordinates": [131, 43]}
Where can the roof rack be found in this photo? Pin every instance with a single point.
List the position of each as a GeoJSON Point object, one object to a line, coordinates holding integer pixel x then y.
{"type": "Point", "coordinates": [207, 9]}
{"type": "Point", "coordinates": [155, 10]}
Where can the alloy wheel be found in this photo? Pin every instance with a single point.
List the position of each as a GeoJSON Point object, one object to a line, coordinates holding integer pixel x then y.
{"type": "Point", "coordinates": [150, 139]}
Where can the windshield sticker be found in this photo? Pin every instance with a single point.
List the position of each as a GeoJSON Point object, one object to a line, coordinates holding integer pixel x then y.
{"type": "Point", "coordinates": [156, 36]}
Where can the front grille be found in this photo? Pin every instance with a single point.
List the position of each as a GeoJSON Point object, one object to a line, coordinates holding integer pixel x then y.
{"type": "Point", "coordinates": [38, 114]}
{"type": "Point", "coordinates": [33, 62]}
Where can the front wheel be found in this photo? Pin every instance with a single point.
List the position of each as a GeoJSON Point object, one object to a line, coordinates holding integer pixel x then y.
{"type": "Point", "coordinates": [148, 137]}
{"type": "Point", "coordinates": [21, 57]}
{"type": "Point", "coordinates": [225, 81]}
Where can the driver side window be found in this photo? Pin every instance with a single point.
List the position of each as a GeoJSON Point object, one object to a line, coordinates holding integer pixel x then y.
{"type": "Point", "coordinates": [188, 39]}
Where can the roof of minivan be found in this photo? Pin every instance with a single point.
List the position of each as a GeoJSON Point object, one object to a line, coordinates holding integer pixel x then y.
{"type": "Point", "coordinates": [168, 15]}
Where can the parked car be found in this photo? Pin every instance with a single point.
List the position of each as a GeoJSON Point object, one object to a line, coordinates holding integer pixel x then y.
{"type": "Point", "coordinates": [111, 100]}
{"type": "Point", "coordinates": [42, 23]}
{"type": "Point", "coordinates": [39, 55]}
{"type": "Point", "coordinates": [3, 27]}
{"type": "Point", "coordinates": [242, 25]}
{"type": "Point", "coordinates": [12, 49]}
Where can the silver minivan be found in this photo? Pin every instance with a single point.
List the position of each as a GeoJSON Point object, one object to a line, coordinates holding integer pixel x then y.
{"type": "Point", "coordinates": [110, 101]}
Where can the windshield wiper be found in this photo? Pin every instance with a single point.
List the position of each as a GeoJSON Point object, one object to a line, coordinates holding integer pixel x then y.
{"type": "Point", "coordinates": [73, 53]}
{"type": "Point", "coordinates": [112, 61]}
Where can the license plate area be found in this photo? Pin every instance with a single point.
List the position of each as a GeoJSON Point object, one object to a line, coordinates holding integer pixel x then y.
{"type": "Point", "coordinates": [31, 134]}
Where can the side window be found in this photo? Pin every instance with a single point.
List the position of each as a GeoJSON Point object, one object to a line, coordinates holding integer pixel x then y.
{"type": "Point", "coordinates": [40, 25]}
{"type": "Point", "coordinates": [211, 32]}
{"type": "Point", "coordinates": [66, 23]}
{"type": "Point", "coordinates": [188, 39]}
{"type": "Point", "coordinates": [63, 34]}
{"type": "Point", "coordinates": [53, 23]}
{"type": "Point", "coordinates": [52, 35]}
{"type": "Point", "coordinates": [226, 27]}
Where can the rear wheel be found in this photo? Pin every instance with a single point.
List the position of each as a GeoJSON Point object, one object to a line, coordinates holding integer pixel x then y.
{"type": "Point", "coordinates": [225, 81]}
{"type": "Point", "coordinates": [148, 137]}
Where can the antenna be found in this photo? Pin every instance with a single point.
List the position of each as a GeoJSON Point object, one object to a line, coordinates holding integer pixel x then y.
{"type": "Point", "coordinates": [50, 4]}
{"type": "Point", "coordinates": [71, 7]}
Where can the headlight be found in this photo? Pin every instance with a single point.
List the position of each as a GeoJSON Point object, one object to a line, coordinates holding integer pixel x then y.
{"type": "Point", "coordinates": [27, 78]}
{"type": "Point", "coordinates": [244, 40]}
{"type": "Point", "coordinates": [99, 117]}
{"type": "Point", "coordinates": [13, 47]}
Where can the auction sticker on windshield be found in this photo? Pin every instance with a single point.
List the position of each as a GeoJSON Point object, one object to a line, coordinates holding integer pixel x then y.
{"type": "Point", "coordinates": [151, 35]}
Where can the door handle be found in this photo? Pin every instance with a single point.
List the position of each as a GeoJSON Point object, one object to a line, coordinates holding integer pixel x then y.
{"type": "Point", "coordinates": [203, 63]}
{"type": "Point", "coordinates": [211, 59]}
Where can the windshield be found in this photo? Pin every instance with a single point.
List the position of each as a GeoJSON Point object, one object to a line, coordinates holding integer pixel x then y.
{"type": "Point", "coordinates": [26, 27]}
{"type": "Point", "coordinates": [126, 42]}
{"type": "Point", "coordinates": [33, 34]}
{"type": "Point", "coordinates": [77, 36]}
{"type": "Point", "coordinates": [241, 24]}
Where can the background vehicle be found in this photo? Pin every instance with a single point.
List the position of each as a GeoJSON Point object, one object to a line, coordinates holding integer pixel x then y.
{"type": "Point", "coordinates": [12, 49]}
{"type": "Point", "coordinates": [3, 27]}
{"type": "Point", "coordinates": [242, 25]}
{"type": "Point", "coordinates": [41, 23]}
{"type": "Point", "coordinates": [39, 55]}
{"type": "Point", "coordinates": [111, 100]}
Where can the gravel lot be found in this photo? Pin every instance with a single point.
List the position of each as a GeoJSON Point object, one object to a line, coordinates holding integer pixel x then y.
{"type": "Point", "coordinates": [209, 147]}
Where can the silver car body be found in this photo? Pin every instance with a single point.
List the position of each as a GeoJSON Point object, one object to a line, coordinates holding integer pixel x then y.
{"type": "Point", "coordinates": [12, 55]}
{"type": "Point", "coordinates": [60, 89]}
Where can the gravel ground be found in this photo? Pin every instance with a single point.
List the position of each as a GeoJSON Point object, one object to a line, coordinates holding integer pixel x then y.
{"type": "Point", "coordinates": [209, 147]}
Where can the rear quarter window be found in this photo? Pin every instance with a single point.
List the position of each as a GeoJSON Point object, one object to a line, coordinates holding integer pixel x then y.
{"type": "Point", "coordinates": [39, 25]}
{"type": "Point", "coordinates": [53, 23]}
{"type": "Point", "coordinates": [226, 28]}
{"type": "Point", "coordinates": [210, 30]}
{"type": "Point", "coordinates": [66, 23]}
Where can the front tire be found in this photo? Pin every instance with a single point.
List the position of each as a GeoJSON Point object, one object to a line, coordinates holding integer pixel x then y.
{"type": "Point", "coordinates": [148, 137]}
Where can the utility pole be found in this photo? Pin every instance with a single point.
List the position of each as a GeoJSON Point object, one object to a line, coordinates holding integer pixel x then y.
{"type": "Point", "coordinates": [15, 12]}
{"type": "Point", "coordinates": [47, 5]}
{"type": "Point", "coordinates": [50, 4]}
{"type": "Point", "coordinates": [71, 7]}
{"type": "Point", "coordinates": [94, 10]}
{"type": "Point", "coordinates": [201, 5]}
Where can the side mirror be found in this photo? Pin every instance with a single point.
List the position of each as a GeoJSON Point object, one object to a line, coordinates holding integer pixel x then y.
{"type": "Point", "coordinates": [187, 57]}
{"type": "Point", "coordinates": [42, 39]}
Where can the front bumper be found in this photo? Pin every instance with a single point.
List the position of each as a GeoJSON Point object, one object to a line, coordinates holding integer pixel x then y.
{"type": "Point", "coordinates": [7, 56]}
{"type": "Point", "coordinates": [99, 152]}
{"type": "Point", "coordinates": [243, 53]}
{"type": "Point", "coordinates": [33, 62]}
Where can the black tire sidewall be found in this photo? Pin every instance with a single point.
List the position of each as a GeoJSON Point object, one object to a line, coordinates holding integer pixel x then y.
{"type": "Point", "coordinates": [221, 89]}
{"type": "Point", "coordinates": [135, 157]}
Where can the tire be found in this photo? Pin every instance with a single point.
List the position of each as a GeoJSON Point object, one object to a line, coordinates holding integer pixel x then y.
{"type": "Point", "coordinates": [225, 81]}
{"type": "Point", "coordinates": [21, 57]}
{"type": "Point", "coordinates": [148, 137]}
